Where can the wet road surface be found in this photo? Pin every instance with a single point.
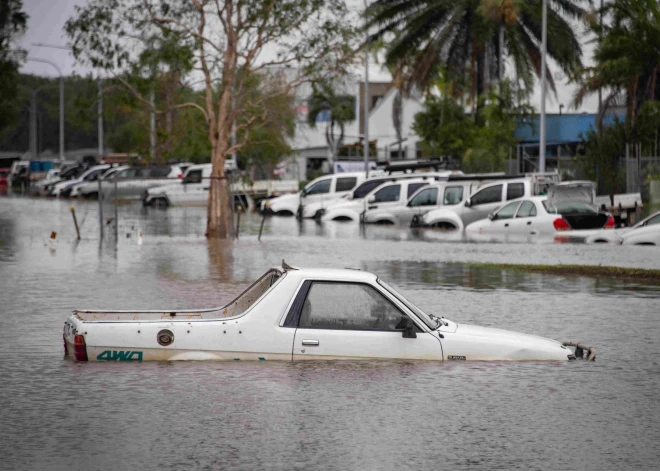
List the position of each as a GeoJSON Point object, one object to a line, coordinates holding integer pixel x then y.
{"type": "Point", "coordinates": [57, 414]}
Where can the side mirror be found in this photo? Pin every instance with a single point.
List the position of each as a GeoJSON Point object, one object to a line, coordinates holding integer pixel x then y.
{"type": "Point", "coordinates": [409, 332]}
{"type": "Point", "coordinates": [492, 216]}
{"type": "Point", "coordinates": [468, 202]}
{"type": "Point", "coordinates": [372, 199]}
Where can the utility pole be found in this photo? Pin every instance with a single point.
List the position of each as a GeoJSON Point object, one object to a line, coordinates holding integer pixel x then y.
{"type": "Point", "coordinates": [100, 118]}
{"type": "Point", "coordinates": [544, 41]}
{"type": "Point", "coordinates": [366, 97]}
{"type": "Point", "coordinates": [33, 125]}
{"type": "Point", "coordinates": [152, 125]}
{"type": "Point", "coordinates": [59, 71]}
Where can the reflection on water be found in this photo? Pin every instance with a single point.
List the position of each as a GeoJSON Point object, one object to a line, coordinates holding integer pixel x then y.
{"type": "Point", "coordinates": [324, 415]}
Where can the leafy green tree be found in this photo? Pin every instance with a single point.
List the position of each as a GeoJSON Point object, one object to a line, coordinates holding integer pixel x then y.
{"type": "Point", "coordinates": [289, 41]}
{"type": "Point", "coordinates": [627, 57]}
{"type": "Point", "coordinates": [341, 109]}
{"type": "Point", "coordinates": [482, 143]}
{"type": "Point", "coordinates": [12, 23]}
{"type": "Point", "coordinates": [463, 36]}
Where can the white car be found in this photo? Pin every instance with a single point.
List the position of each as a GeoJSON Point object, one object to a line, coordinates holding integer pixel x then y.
{"type": "Point", "coordinates": [64, 188]}
{"type": "Point", "coordinates": [645, 235]}
{"type": "Point", "coordinates": [299, 314]}
{"type": "Point", "coordinates": [191, 190]}
{"type": "Point", "coordinates": [538, 216]}
{"type": "Point", "coordinates": [426, 199]}
{"type": "Point", "coordinates": [317, 195]}
{"type": "Point", "coordinates": [91, 189]}
{"type": "Point", "coordinates": [355, 205]}
{"type": "Point", "coordinates": [604, 237]}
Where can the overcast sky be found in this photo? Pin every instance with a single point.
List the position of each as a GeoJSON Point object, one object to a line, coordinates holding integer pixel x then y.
{"type": "Point", "coordinates": [46, 23]}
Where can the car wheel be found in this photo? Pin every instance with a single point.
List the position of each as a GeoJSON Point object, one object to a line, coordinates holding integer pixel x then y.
{"type": "Point", "coordinates": [415, 221]}
{"type": "Point", "coordinates": [444, 226]}
{"type": "Point", "coordinates": [284, 213]}
{"type": "Point", "coordinates": [94, 195]}
{"type": "Point", "coordinates": [159, 202]}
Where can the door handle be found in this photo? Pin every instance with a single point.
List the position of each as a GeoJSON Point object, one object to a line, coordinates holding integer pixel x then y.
{"type": "Point", "coordinates": [311, 343]}
{"type": "Point", "coordinates": [506, 224]}
{"type": "Point", "coordinates": [373, 207]}
{"type": "Point", "coordinates": [529, 223]}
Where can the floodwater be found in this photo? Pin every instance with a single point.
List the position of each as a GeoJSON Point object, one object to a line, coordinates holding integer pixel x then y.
{"type": "Point", "coordinates": [57, 414]}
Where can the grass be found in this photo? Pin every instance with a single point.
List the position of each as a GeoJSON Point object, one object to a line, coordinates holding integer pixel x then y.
{"type": "Point", "coordinates": [640, 274]}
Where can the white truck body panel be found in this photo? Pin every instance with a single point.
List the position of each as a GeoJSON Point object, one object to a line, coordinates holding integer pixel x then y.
{"type": "Point", "coordinates": [265, 323]}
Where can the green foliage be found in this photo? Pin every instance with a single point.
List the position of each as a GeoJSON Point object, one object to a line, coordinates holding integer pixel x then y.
{"type": "Point", "coordinates": [462, 36]}
{"type": "Point", "coordinates": [603, 153]}
{"type": "Point", "coordinates": [12, 23]}
{"type": "Point", "coordinates": [340, 107]}
{"type": "Point", "coordinates": [480, 143]}
{"type": "Point", "coordinates": [627, 56]}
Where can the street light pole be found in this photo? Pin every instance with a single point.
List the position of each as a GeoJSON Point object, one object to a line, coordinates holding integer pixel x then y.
{"type": "Point", "coordinates": [366, 99]}
{"type": "Point", "coordinates": [100, 118]}
{"type": "Point", "coordinates": [544, 40]}
{"type": "Point", "coordinates": [45, 61]}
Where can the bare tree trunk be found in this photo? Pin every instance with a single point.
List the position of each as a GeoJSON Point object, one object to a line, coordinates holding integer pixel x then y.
{"type": "Point", "coordinates": [219, 213]}
{"type": "Point", "coordinates": [219, 210]}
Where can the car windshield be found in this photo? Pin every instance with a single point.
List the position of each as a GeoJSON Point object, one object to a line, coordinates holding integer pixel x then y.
{"type": "Point", "coordinates": [417, 311]}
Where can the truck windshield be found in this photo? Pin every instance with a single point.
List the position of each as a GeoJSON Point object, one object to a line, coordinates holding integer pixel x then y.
{"type": "Point", "coordinates": [417, 311]}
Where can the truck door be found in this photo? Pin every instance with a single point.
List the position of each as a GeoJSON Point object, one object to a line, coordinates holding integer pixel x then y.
{"type": "Point", "coordinates": [482, 203]}
{"type": "Point", "coordinates": [339, 320]}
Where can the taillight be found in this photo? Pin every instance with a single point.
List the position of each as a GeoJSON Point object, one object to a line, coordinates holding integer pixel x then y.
{"type": "Point", "coordinates": [610, 223]}
{"type": "Point", "coordinates": [180, 175]}
{"type": "Point", "coordinates": [561, 224]}
{"type": "Point", "coordinates": [79, 348]}
{"type": "Point", "coordinates": [66, 350]}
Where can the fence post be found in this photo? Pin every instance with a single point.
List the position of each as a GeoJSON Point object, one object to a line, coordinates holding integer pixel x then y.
{"type": "Point", "coordinates": [100, 209]}
{"type": "Point", "coordinates": [263, 219]}
{"type": "Point", "coordinates": [116, 213]}
{"type": "Point", "coordinates": [75, 221]}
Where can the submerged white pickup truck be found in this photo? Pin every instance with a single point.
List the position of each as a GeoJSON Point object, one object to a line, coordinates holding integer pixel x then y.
{"type": "Point", "coordinates": [300, 314]}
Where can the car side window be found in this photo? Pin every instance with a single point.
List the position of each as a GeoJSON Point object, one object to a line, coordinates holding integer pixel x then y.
{"type": "Point", "coordinates": [527, 209]}
{"type": "Point", "coordinates": [492, 194]}
{"type": "Point", "coordinates": [508, 211]}
{"type": "Point", "coordinates": [653, 220]}
{"type": "Point", "coordinates": [427, 197]}
{"type": "Point", "coordinates": [319, 188]}
{"type": "Point", "coordinates": [413, 187]}
{"type": "Point", "coordinates": [388, 194]}
{"type": "Point", "coordinates": [453, 195]}
{"type": "Point", "coordinates": [349, 306]}
{"type": "Point", "coordinates": [515, 190]}
{"type": "Point", "coordinates": [346, 183]}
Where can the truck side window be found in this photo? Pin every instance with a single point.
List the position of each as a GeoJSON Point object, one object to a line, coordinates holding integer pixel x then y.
{"type": "Point", "coordinates": [319, 187]}
{"type": "Point", "coordinates": [515, 190]}
{"type": "Point", "coordinates": [453, 195]}
{"type": "Point", "coordinates": [388, 194]}
{"type": "Point", "coordinates": [413, 187]}
{"type": "Point", "coordinates": [193, 176]}
{"type": "Point", "coordinates": [349, 306]}
{"type": "Point", "coordinates": [427, 197]}
{"type": "Point", "coordinates": [492, 194]}
{"type": "Point", "coordinates": [346, 183]}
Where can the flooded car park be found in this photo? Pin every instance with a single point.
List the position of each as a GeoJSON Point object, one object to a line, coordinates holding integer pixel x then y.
{"type": "Point", "coordinates": [327, 414]}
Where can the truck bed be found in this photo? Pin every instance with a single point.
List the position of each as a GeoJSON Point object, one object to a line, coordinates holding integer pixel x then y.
{"type": "Point", "coordinates": [236, 307]}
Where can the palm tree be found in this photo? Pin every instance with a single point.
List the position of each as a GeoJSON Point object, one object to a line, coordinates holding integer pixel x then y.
{"type": "Point", "coordinates": [464, 37]}
{"type": "Point", "coordinates": [627, 57]}
{"type": "Point", "coordinates": [341, 109]}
